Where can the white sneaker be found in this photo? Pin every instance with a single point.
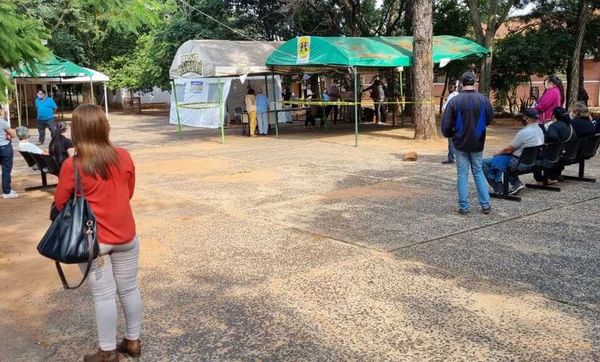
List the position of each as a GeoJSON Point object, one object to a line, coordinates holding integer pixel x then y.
{"type": "Point", "coordinates": [11, 195]}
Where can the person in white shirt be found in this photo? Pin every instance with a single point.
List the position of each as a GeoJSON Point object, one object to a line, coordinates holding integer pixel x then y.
{"type": "Point", "coordinates": [457, 88]}
{"type": "Point", "coordinates": [24, 144]}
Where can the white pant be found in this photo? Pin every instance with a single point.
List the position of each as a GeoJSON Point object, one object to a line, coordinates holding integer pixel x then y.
{"type": "Point", "coordinates": [113, 273]}
{"type": "Point", "coordinates": [263, 123]}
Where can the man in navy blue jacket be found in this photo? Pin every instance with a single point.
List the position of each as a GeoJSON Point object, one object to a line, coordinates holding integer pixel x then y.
{"type": "Point", "coordinates": [465, 119]}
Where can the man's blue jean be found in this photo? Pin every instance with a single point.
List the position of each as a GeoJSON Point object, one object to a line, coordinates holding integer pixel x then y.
{"type": "Point", "coordinates": [6, 160]}
{"type": "Point", "coordinates": [472, 161]}
{"type": "Point", "coordinates": [263, 122]}
{"type": "Point", "coordinates": [494, 167]}
{"type": "Point", "coordinates": [42, 128]}
{"type": "Point", "coordinates": [451, 150]}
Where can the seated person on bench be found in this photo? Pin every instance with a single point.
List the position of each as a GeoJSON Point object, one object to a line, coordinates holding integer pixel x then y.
{"type": "Point", "coordinates": [60, 147]}
{"type": "Point", "coordinates": [24, 144]}
{"type": "Point", "coordinates": [583, 127]}
{"type": "Point", "coordinates": [529, 136]}
{"type": "Point", "coordinates": [559, 129]}
{"type": "Point", "coordinates": [582, 121]}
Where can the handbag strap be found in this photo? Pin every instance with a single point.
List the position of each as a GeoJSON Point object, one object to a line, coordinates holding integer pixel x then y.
{"type": "Point", "coordinates": [90, 241]}
{"type": "Point", "coordinates": [78, 187]}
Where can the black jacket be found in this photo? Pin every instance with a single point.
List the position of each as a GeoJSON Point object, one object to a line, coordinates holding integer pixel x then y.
{"type": "Point", "coordinates": [465, 119]}
{"type": "Point", "coordinates": [559, 132]}
{"type": "Point", "coordinates": [583, 127]}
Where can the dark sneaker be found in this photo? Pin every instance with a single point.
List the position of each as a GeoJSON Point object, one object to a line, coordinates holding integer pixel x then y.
{"type": "Point", "coordinates": [486, 210]}
{"type": "Point", "coordinates": [516, 188]}
{"type": "Point", "coordinates": [498, 188]}
{"type": "Point", "coordinates": [448, 162]}
{"type": "Point", "coordinates": [463, 211]}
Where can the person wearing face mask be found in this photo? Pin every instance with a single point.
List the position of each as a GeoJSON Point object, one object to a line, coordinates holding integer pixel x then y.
{"type": "Point", "coordinates": [529, 136]}
{"type": "Point", "coordinates": [45, 107]}
{"type": "Point", "coordinates": [554, 96]}
{"type": "Point", "coordinates": [582, 121]}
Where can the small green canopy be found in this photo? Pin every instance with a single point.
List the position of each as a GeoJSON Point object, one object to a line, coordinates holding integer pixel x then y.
{"type": "Point", "coordinates": [377, 52]}
{"type": "Point", "coordinates": [52, 67]}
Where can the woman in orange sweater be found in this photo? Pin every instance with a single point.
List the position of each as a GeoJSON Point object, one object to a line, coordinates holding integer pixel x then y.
{"type": "Point", "coordinates": [108, 180]}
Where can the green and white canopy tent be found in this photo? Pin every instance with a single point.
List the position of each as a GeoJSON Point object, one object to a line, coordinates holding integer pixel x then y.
{"type": "Point", "coordinates": [316, 54]}
{"type": "Point", "coordinates": [55, 70]}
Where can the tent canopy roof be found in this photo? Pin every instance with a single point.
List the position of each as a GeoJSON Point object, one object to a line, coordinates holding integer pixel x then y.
{"type": "Point", "coordinates": [97, 77]}
{"type": "Point", "coordinates": [52, 67]}
{"type": "Point", "coordinates": [221, 58]}
{"type": "Point", "coordinates": [377, 52]}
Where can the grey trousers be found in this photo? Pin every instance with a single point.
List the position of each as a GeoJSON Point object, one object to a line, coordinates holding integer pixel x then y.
{"type": "Point", "coordinates": [114, 273]}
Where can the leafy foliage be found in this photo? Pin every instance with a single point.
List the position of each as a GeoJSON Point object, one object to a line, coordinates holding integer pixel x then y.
{"type": "Point", "coordinates": [136, 71]}
{"type": "Point", "coordinates": [20, 41]}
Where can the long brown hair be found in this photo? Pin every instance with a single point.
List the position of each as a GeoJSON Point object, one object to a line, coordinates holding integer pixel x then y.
{"type": "Point", "coordinates": [89, 131]}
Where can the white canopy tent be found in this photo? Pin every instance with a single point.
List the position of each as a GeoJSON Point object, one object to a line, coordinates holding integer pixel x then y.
{"type": "Point", "coordinates": [96, 77]}
{"type": "Point", "coordinates": [211, 77]}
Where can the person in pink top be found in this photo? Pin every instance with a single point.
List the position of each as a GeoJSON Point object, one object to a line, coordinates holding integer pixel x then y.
{"type": "Point", "coordinates": [554, 96]}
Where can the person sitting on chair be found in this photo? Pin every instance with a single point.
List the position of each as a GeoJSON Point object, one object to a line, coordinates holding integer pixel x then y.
{"type": "Point", "coordinates": [24, 144]}
{"type": "Point", "coordinates": [582, 121]}
{"type": "Point", "coordinates": [60, 147]}
{"type": "Point", "coordinates": [529, 136]}
{"type": "Point", "coordinates": [559, 129]}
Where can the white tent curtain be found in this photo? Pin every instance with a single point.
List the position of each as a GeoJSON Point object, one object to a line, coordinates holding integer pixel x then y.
{"type": "Point", "coordinates": [197, 98]}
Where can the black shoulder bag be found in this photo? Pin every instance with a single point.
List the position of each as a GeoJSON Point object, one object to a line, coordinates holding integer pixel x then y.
{"type": "Point", "coordinates": [72, 238]}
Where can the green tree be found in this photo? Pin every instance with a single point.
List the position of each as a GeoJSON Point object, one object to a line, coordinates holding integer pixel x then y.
{"type": "Point", "coordinates": [521, 55]}
{"type": "Point", "coordinates": [579, 22]}
{"type": "Point", "coordinates": [20, 42]}
{"type": "Point", "coordinates": [486, 19]}
{"type": "Point", "coordinates": [135, 71]}
{"type": "Point", "coordinates": [92, 32]}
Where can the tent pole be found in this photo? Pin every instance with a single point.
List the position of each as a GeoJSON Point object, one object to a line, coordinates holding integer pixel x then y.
{"type": "Point", "coordinates": [93, 101]}
{"type": "Point", "coordinates": [220, 95]}
{"type": "Point", "coordinates": [62, 108]}
{"type": "Point", "coordinates": [18, 105]}
{"type": "Point", "coordinates": [267, 95]}
{"type": "Point", "coordinates": [105, 100]}
{"type": "Point", "coordinates": [275, 106]}
{"type": "Point", "coordinates": [25, 102]}
{"type": "Point", "coordinates": [177, 109]}
{"type": "Point", "coordinates": [355, 106]}
{"type": "Point", "coordinates": [402, 97]}
{"type": "Point", "coordinates": [7, 106]}
{"type": "Point", "coordinates": [394, 96]}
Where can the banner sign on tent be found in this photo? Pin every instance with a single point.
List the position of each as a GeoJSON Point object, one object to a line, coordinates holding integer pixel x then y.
{"type": "Point", "coordinates": [189, 64]}
{"type": "Point", "coordinates": [303, 50]}
{"type": "Point", "coordinates": [196, 86]}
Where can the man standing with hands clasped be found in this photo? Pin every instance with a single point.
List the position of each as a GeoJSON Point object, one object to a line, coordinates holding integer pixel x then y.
{"type": "Point", "coordinates": [45, 107]}
{"type": "Point", "coordinates": [465, 119]}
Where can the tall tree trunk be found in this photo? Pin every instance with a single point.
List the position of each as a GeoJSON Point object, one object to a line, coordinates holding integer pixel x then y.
{"type": "Point", "coordinates": [422, 70]}
{"type": "Point", "coordinates": [573, 85]}
{"type": "Point", "coordinates": [485, 78]}
{"type": "Point", "coordinates": [409, 95]}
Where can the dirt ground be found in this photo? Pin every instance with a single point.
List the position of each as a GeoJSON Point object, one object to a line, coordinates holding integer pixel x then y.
{"type": "Point", "coordinates": [307, 248]}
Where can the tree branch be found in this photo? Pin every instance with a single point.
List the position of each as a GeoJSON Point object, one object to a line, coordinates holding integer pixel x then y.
{"type": "Point", "coordinates": [504, 15]}
{"type": "Point", "coordinates": [476, 20]}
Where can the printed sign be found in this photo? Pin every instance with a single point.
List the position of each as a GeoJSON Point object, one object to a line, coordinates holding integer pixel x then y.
{"type": "Point", "coordinates": [196, 86]}
{"type": "Point", "coordinates": [303, 50]}
{"type": "Point", "coordinates": [189, 64]}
